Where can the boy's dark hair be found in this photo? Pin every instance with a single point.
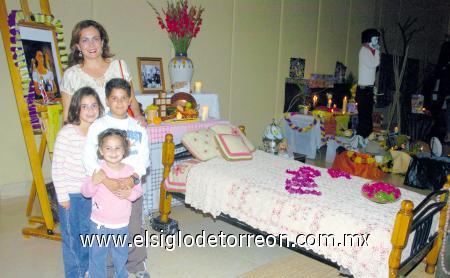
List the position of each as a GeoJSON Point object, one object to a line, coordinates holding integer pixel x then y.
{"type": "Point", "coordinates": [73, 116]}
{"type": "Point", "coordinates": [117, 83]}
{"type": "Point", "coordinates": [113, 132]}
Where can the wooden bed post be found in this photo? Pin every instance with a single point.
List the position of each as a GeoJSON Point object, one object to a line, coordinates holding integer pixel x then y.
{"type": "Point", "coordinates": [163, 223]}
{"type": "Point", "coordinates": [432, 256]}
{"type": "Point", "coordinates": [400, 234]}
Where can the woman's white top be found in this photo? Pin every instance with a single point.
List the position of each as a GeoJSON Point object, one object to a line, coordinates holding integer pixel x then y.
{"type": "Point", "coordinates": [75, 78]}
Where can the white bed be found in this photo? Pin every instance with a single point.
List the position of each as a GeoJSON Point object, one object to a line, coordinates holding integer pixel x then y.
{"type": "Point", "coordinates": [253, 192]}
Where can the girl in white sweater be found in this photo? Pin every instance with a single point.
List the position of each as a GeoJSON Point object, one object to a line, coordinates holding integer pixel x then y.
{"type": "Point", "coordinates": [69, 175]}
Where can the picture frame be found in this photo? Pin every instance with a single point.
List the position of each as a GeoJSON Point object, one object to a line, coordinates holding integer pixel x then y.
{"type": "Point", "coordinates": [297, 68]}
{"type": "Point", "coordinates": [43, 61]}
{"type": "Point", "coordinates": [151, 75]}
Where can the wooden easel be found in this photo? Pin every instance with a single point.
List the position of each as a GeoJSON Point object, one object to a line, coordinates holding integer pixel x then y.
{"type": "Point", "coordinates": [46, 225]}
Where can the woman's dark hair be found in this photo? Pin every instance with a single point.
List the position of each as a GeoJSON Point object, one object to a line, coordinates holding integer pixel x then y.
{"type": "Point", "coordinates": [74, 55]}
{"type": "Point", "coordinates": [43, 58]}
{"type": "Point", "coordinates": [113, 132]}
{"type": "Point", "coordinates": [75, 104]}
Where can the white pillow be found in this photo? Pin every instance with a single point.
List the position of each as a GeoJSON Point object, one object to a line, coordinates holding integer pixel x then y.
{"type": "Point", "coordinates": [230, 129]}
{"type": "Point", "coordinates": [177, 179]}
{"type": "Point", "coordinates": [233, 147]}
{"type": "Point", "coordinates": [201, 144]}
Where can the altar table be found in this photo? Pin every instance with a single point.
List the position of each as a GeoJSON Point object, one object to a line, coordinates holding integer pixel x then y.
{"type": "Point", "coordinates": [202, 99]}
{"type": "Point", "coordinates": [303, 142]}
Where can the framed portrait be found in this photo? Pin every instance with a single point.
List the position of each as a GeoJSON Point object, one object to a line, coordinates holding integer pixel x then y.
{"type": "Point", "coordinates": [297, 68]}
{"type": "Point", "coordinates": [42, 59]}
{"type": "Point", "coordinates": [151, 75]}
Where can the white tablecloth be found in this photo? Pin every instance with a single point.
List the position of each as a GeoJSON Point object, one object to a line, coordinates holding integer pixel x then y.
{"type": "Point", "coordinates": [303, 142]}
{"type": "Point", "coordinates": [210, 100]}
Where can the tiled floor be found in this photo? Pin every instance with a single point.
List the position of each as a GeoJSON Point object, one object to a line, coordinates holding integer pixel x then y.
{"type": "Point", "coordinates": [35, 257]}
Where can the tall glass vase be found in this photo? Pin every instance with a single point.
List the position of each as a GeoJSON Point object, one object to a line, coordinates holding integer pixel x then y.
{"type": "Point", "coordinates": [181, 70]}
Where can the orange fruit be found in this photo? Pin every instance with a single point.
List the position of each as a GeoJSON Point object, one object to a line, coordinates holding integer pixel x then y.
{"type": "Point", "coordinates": [157, 120]}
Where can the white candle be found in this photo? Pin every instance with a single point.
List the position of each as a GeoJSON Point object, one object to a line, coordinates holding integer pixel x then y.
{"type": "Point", "coordinates": [329, 103]}
{"type": "Point", "coordinates": [314, 101]}
{"type": "Point", "coordinates": [198, 87]}
{"type": "Point", "coordinates": [344, 105]}
{"type": "Point", "coordinates": [179, 116]}
{"type": "Point", "coordinates": [205, 113]}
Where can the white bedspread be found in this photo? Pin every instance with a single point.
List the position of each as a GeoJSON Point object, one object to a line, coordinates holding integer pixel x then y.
{"type": "Point", "coordinates": [253, 192]}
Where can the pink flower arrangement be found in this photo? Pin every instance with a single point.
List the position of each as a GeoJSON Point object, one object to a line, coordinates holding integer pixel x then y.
{"type": "Point", "coordinates": [334, 173]}
{"type": "Point", "coordinates": [181, 22]}
{"type": "Point", "coordinates": [381, 192]}
{"type": "Point", "coordinates": [302, 178]}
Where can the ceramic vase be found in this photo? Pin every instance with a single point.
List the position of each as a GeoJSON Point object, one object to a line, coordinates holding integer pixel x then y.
{"type": "Point", "coordinates": [181, 70]}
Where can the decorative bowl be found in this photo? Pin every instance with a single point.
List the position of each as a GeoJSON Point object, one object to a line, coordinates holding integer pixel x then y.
{"type": "Point", "coordinates": [180, 99]}
{"type": "Point", "coordinates": [381, 192]}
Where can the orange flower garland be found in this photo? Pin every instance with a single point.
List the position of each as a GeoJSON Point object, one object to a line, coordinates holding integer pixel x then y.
{"type": "Point", "coordinates": [287, 117]}
{"type": "Point", "coordinates": [360, 158]}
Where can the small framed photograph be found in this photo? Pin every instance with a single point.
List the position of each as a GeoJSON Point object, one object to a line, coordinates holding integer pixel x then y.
{"type": "Point", "coordinates": [151, 75]}
{"type": "Point", "coordinates": [42, 59]}
{"type": "Point", "coordinates": [297, 68]}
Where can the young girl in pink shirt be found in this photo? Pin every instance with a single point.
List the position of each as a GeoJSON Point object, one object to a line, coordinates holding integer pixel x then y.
{"type": "Point", "coordinates": [110, 211]}
{"type": "Point", "coordinates": [68, 176]}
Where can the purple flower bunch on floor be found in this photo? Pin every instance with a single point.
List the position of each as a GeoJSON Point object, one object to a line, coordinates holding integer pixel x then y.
{"type": "Point", "coordinates": [334, 173]}
{"type": "Point", "coordinates": [302, 179]}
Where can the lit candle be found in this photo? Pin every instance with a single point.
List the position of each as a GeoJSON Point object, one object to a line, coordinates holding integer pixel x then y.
{"type": "Point", "coordinates": [179, 116]}
{"type": "Point", "coordinates": [344, 105]}
{"type": "Point", "coordinates": [314, 101]}
{"type": "Point", "coordinates": [329, 103]}
{"type": "Point", "coordinates": [198, 87]}
{"type": "Point", "coordinates": [205, 113]}
{"type": "Point", "coordinates": [396, 129]}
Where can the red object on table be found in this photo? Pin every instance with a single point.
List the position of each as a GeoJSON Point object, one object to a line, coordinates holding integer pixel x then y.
{"type": "Point", "coordinates": [330, 126]}
{"type": "Point", "coordinates": [366, 170]}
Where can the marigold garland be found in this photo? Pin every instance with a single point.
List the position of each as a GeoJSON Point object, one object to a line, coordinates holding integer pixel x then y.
{"type": "Point", "coordinates": [287, 118]}
{"type": "Point", "coordinates": [16, 17]}
{"type": "Point", "coordinates": [360, 158]}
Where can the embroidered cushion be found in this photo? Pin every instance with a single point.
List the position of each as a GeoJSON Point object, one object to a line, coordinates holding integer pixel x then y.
{"type": "Point", "coordinates": [233, 147]}
{"type": "Point", "coordinates": [201, 144]}
{"type": "Point", "coordinates": [176, 181]}
{"type": "Point", "coordinates": [230, 129]}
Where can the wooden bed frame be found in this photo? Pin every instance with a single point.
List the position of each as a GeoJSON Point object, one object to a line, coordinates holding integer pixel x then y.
{"type": "Point", "coordinates": [409, 219]}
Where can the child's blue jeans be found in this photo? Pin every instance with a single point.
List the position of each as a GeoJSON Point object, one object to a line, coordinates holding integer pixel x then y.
{"type": "Point", "coordinates": [106, 240]}
{"type": "Point", "coordinates": [75, 221]}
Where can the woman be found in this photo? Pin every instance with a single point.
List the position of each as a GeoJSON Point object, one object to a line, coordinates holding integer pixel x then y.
{"type": "Point", "coordinates": [91, 64]}
{"type": "Point", "coordinates": [43, 78]}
